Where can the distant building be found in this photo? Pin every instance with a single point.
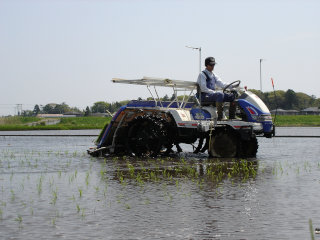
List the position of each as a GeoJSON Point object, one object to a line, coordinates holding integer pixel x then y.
{"type": "Point", "coordinates": [47, 115]}
{"type": "Point", "coordinates": [307, 111]}
{"type": "Point", "coordinates": [72, 114]}
{"type": "Point", "coordinates": [280, 111]}
{"type": "Point", "coordinates": [311, 111]}
{"type": "Point", "coordinates": [99, 114]}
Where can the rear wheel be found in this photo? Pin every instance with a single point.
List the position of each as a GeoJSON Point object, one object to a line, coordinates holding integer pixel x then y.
{"type": "Point", "coordinates": [147, 135]}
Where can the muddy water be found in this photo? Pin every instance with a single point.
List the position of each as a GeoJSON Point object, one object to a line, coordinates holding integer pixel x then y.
{"type": "Point", "coordinates": [50, 188]}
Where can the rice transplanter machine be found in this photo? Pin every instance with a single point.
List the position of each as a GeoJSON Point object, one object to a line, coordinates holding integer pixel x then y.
{"type": "Point", "coordinates": [153, 127]}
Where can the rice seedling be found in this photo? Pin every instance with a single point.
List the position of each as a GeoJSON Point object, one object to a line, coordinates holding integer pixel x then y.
{"type": "Point", "coordinates": [105, 192]}
{"type": "Point", "coordinates": [80, 192]}
{"type": "Point", "coordinates": [119, 198]}
{"type": "Point", "coordinates": [83, 212]}
{"type": "Point", "coordinates": [53, 221]}
{"type": "Point", "coordinates": [73, 198]}
{"type": "Point", "coordinates": [78, 208]}
{"type": "Point", "coordinates": [87, 178]}
{"type": "Point", "coordinates": [102, 174]}
{"type": "Point", "coordinates": [23, 204]}
{"type": "Point", "coordinates": [13, 195]}
{"type": "Point", "coordinates": [51, 182]}
{"type": "Point", "coordinates": [131, 169]}
{"type": "Point", "coordinates": [127, 206]}
{"type": "Point", "coordinates": [68, 163]}
{"type": "Point", "coordinates": [177, 184]}
{"type": "Point", "coordinates": [19, 220]}
{"type": "Point", "coordinates": [54, 197]}
{"type": "Point", "coordinates": [39, 185]}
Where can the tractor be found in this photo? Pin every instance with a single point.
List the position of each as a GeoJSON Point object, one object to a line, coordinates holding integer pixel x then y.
{"type": "Point", "coordinates": [154, 127]}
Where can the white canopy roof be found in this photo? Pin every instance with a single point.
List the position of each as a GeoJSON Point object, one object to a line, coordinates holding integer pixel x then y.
{"type": "Point", "coordinates": [161, 82]}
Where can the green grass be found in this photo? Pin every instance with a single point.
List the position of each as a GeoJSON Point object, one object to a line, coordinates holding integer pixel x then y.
{"type": "Point", "coordinates": [298, 121]}
{"type": "Point", "coordinates": [16, 120]}
{"type": "Point", "coordinates": [84, 122]}
{"type": "Point", "coordinates": [18, 123]}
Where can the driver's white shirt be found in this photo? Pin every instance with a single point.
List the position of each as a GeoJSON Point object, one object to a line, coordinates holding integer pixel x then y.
{"type": "Point", "coordinates": [217, 82]}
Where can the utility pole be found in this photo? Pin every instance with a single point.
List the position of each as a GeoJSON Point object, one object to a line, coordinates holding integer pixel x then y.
{"type": "Point", "coordinates": [197, 48]}
{"type": "Point", "coordinates": [19, 109]}
{"type": "Point", "coordinates": [260, 75]}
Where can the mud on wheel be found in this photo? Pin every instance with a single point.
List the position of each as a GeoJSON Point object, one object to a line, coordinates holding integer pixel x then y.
{"type": "Point", "coordinates": [147, 136]}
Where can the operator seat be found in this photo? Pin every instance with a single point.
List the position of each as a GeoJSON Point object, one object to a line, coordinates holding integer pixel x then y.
{"type": "Point", "coordinates": [203, 103]}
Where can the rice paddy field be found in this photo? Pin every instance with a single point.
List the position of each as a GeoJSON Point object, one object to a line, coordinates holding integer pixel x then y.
{"type": "Point", "coordinates": [50, 188]}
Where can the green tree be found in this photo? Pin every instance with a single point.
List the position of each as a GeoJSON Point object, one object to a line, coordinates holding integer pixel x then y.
{"type": "Point", "coordinates": [165, 98]}
{"type": "Point", "coordinates": [61, 108]}
{"type": "Point", "coordinates": [87, 112]}
{"type": "Point", "coordinates": [27, 113]}
{"type": "Point", "coordinates": [36, 110]}
{"type": "Point", "coordinates": [291, 100]}
{"type": "Point", "coordinates": [99, 107]}
{"type": "Point", "coordinates": [47, 109]}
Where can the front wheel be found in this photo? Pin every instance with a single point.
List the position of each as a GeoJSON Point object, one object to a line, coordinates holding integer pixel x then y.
{"type": "Point", "coordinates": [224, 144]}
{"type": "Point", "coordinates": [249, 147]}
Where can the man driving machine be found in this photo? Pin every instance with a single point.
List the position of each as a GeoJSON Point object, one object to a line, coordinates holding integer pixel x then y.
{"type": "Point", "coordinates": [208, 81]}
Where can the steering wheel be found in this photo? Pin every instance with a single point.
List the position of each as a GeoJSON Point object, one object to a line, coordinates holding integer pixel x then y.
{"type": "Point", "coordinates": [233, 84]}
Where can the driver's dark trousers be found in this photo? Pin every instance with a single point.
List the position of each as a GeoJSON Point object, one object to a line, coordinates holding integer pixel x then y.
{"type": "Point", "coordinates": [219, 98]}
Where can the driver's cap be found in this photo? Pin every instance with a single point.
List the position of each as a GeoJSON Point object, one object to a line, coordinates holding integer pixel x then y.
{"type": "Point", "coordinates": [209, 61]}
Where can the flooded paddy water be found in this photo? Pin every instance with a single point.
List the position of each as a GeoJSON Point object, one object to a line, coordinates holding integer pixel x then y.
{"type": "Point", "coordinates": [50, 188]}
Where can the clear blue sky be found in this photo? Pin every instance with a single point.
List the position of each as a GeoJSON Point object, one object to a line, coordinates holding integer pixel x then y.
{"type": "Point", "coordinates": [54, 51]}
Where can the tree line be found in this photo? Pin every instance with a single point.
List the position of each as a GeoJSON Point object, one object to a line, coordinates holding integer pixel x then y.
{"type": "Point", "coordinates": [288, 100]}
{"type": "Point", "coordinates": [63, 108]}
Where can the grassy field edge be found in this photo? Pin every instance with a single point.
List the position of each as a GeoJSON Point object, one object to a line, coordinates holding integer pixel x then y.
{"type": "Point", "coordinates": [73, 123]}
{"type": "Point", "coordinates": [77, 123]}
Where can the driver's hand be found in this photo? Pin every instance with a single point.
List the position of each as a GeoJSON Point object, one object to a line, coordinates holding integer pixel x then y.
{"type": "Point", "coordinates": [235, 93]}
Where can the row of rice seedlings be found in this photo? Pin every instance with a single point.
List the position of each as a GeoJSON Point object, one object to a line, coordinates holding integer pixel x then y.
{"type": "Point", "coordinates": [51, 182]}
{"type": "Point", "coordinates": [183, 170]}
{"type": "Point", "coordinates": [8, 154]}
{"type": "Point", "coordinates": [284, 168]}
